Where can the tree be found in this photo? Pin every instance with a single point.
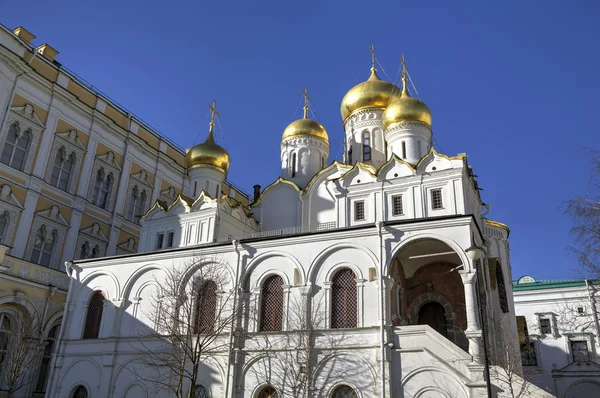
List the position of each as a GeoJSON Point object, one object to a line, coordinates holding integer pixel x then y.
{"type": "Point", "coordinates": [19, 346]}
{"type": "Point", "coordinates": [193, 318]}
{"type": "Point", "coordinates": [585, 213]}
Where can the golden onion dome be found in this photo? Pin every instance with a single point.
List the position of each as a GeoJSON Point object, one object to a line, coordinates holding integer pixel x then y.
{"type": "Point", "coordinates": [374, 93]}
{"type": "Point", "coordinates": [304, 127]}
{"type": "Point", "coordinates": [208, 153]}
{"type": "Point", "coordinates": [406, 109]}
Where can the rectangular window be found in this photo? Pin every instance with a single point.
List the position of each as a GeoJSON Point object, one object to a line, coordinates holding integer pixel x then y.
{"type": "Point", "coordinates": [528, 355]}
{"type": "Point", "coordinates": [436, 199]}
{"type": "Point", "coordinates": [397, 209]}
{"type": "Point", "coordinates": [580, 311]}
{"type": "Point", "coordinates": [359, 210]}
{"type": "Point", "coordinates": [160, 238]}
{"type": "Point", "coordinates": [545, 326]}
{"type": "Point", "coordinates": [579, 351]}
{"type": "Point", "coordinates": [170, 236]}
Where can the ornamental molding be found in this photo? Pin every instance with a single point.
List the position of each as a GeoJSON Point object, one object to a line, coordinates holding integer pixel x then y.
{"type": "Point", "coordinates": [407, 125]}
{"type": "Point", "coordinates": [54, 215]}
{"type": "Point", "coordinates": [72, 139]}
{"type": "Point", "coordinates": [142, 177]}
{"type": "Point", "coordinates": [128, 246]}
{"type": "Point", "coordinates": [28, 113]}
{"type": "Point", "coordinates": [305, 140]}
{"type": "Point", "coordinates": [109, 159]}
{"type": "Point", "coordinates": [95, 232]}
{"type": "Point", "coordinates": [9, 198]}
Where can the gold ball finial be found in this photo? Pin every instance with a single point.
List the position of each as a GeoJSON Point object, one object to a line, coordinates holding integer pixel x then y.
{"type": "Point", "coordinates": [305, 126]}
{"type": "Point", "coordinates": [209, 153]}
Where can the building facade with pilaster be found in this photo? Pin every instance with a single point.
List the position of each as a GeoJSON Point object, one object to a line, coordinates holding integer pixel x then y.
{"type": "Point", "coordinates": [77, 171]}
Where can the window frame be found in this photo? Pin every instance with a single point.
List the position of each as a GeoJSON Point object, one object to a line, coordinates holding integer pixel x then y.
{"type": "Point", "coordinates": [367, 153]}
{"type": "Point", "coordinates": [393, 205]}
{"type": "Point", "coordinates": [432, 192]}
{"type": "Point", "coordinates": [88, 334]}
{"type": "Point", "coordinates": [355, 210]}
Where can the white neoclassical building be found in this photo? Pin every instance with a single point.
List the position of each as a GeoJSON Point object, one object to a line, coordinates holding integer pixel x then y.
{"type": "Point", "coordinates": [558, 331]}
{"type": "Point", "coordinates": [389, 255]}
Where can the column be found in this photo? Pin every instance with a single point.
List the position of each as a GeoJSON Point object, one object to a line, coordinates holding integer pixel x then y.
{"type": "Point", "coordinates": [86, 169]}
{"type": "Point", "coordinates": [387, 310]}
{"type": "Point", "coordinates": [70, 247]}
{"type": "Point", "coordinates": [360, 288]}
{"type": "Point", "coordinates": [287, 289]}
{"type": "Point", "coordinates": [25, 222]}
{"type": "Point", "coordinates": [473, 331]}
{"type": "Point", "coordinates": [45, 147]}
{"type": "Point", "coordinates": [113, 238]}
{"type": "Point", "coordinates": [327, 292]}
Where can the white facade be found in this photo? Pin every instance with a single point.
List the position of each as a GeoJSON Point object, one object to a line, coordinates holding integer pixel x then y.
{"type": "Point", "coordinates": [560, 340]}
{"type": "Point", "coordinates": [393, 261]}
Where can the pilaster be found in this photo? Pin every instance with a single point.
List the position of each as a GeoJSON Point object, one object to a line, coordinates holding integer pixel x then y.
{"type": "Point", "coordinates": [41, 161]}
{"type": "Point", "coordinates": [68, 253]}
{"type": "Point", "coordinates": [25, 221]}
{"type": "Point", "coordinates": [123, 182]}
{"type": "Point", "coordinates": [113, 238]}
{"type": "Point", "coordinates": [86, 169]}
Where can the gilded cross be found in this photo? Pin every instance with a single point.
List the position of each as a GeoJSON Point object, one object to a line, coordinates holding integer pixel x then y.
{"type": "Point", "coordinates": [213, 112]}
{"type": "Point", "coordinates": [306, 100]}
{"type": "Point", "coordinates": [404, 69]}
{"type": "Point", "coordinates": [372, 55]}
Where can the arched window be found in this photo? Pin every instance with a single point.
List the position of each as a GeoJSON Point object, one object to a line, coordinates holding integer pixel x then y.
{"type": "Point", "coordinates": [344, 312]}
{"type": "Point", "coordinates": [43, 246]}
{"type": "Point", "coordinates": [322, 162]}
{"type": "Point", "coordinates": [6, 329]}
{"type": "Point", "coordinates": [102, 188]}
{"type": "Point", "coordinates": [80, 392]}
{"type": "Point", "coordinates": [195, 189]}
{"type": "Point", "coordinates": [403, 149]}
{"type": "Point", "coordinates": [349, 151]}
{"type": "Point", "coordinates": [85, 250]}
{"type": "Point", "coordinates": [16, 147]}
{"type": "Point", "coordinates": [201, 392]}
{"type": "Point", "coordinates": [62, 170]}
{"type": "Point", "coordinates": [4, 221]}
{"type": "Point", "coordinates": [95, 252]}
{"type": "Point", "coordinates": [294, 164]}
{"type": "Point", "coordinates": [268, 392]}
{"type": "Point", "coordinates": [344, 392]}
{"type": "Point", "coordinates": [94, 316]}
{"type": "Point", "coordinates": [501, 288]}
{"type": "Point", "coordinates": [42, 381]}
{"type": "Point", "coordinates": [271, 304]}
{"type": "Point", "coordinates": [434, 315]}
{"type": "Point", "coordinates": [366, 146]}
{"type": "Point", "coordinates": [132, 203]}
{"type": "Point", "coordinates": [206, 308]}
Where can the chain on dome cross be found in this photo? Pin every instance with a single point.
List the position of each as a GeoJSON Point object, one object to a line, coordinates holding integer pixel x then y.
{"type": "Point", "coordinates": [213, 112]}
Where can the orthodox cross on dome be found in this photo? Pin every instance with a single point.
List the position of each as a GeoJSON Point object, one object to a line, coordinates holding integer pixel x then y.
{"type": "Point", "coordinates": [372, 55]}
{"type": "Point", "coordinates": [213, 112]}
{"type": "Point", "coordinates": [306, 101]}
{"type": "Point", "coordinates": [404, 72]}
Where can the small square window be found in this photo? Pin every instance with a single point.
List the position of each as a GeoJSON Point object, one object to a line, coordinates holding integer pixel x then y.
{"type": "Point", "coordinates": [397, 209]}
{"type": "Point", "coordinates": [160, 238]}
{"type": "Point", "coordinates": [170, 236]}
{"type": "Point", "coordinates": [580, 311]}
{"type": "Point", "coordinates": [436, 199]}
{"type": "Point", "coordinates": [359, 210]}
{"type": "Point", "coordinates": [545, 326]}
{"type": "Point", "coordinates": [579, 351]}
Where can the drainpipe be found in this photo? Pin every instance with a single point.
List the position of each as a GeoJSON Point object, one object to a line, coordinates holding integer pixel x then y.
{"type": "Point", "coordinates": [236, 247]}
{"type": "Point", "coordinates": [379, 225]}
{"type": "Point", "coordinates": [593, 305]}
{"type": "Point", "coordinates": [63, 327]}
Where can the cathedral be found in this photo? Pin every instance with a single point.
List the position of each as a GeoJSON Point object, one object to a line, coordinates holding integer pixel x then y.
{"type": "Point", "coordinates": [380, 276]}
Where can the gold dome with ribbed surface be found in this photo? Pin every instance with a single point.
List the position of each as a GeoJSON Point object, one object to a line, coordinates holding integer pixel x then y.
{"type": "Point", "coordinates": [304, 127]}
{"type": "Point", "coordinates": [374, 93]}
{"type": "Point", "coordinates": [406, 109]}
{"type": "Point", "coordinates": [208, 153]}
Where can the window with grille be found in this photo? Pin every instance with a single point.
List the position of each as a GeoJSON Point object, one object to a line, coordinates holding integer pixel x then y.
{"type": "Point", "coordinates": [366, 146]}
{"type": "Point", "coordinates": [43, 246]}
{"type": "Point", "coordinates": [201, 392]}
{"type": "Point", "coordinates": [359, 210]}
{"type": "Point", "coordinates": [62, 169]}
{"type": "Point", "coordinates": [42, 380]}
{"type": "Point", "coordinates": [160, 238]}
{"type": "Point", "coordinates": [344, 392]}
{"type": "Point", "coordinates": [16, 146]}
{"type": "Point", "coordinates": [80, 392]}
{"type": "Point", "coordinates": [4, 221]}
{"type": "Point", "coordinates": [501, 289]}
{"type": "Point", "coordinates": [271, 305]}
{"type": "Point", "coordinates": [94, 316]}
{"type": "Point", "coordinates": [436, 199]}
{"type": "Point", "coordinates": [170, 238]}
{"type": "Point", "coordinates": [397, 209]}
{"type": "Point", "coordinates": [268, 392]}
{"type": "Point", "coordinates": [528, 354]}
{"type": "Point", "coordinates": [6, 329]}
{"type": "Point", "coordinates": [206, 308]}
{"type": "Point", "coordinates": [545, 326]}
{"type": "Point", "coordinates": [579, 351]}
{"type": "Point", "coordinates": [102, 189]}
{"type": "Point", "coordinates": [344, 309]}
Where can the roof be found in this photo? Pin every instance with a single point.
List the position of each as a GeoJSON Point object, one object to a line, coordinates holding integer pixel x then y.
{"type": "Point", "coordinates": [528, 283]}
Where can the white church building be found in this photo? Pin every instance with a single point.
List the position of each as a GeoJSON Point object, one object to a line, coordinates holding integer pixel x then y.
{"type": "Point", "coordinates": [387, 260]}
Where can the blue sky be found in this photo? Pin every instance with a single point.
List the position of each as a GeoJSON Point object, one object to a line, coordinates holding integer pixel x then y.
{"type": "Point", "coordinates": [513, 84]}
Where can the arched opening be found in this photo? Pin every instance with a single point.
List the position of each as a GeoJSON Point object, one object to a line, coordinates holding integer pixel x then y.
{"type": "Point", "coordinates": [344, 306]}
{"type": "Point", "coordinates": [366, 146]}
{"type": "Point", "coordinates": [80, 392]}
{"type": "Point", "coordinates": [271, 305]}
{"type": "Point", "coordinates": [201, 392]}
{"type": "Point", "coordinates": [206, 308]}
{"type": "Point", "coordinates": [94, 316]}
{"type": "Point", "coordinates": [434, 315]}
{"type": "Point", "coordinates": [268, 392]}
{"type": "Point", "coordinates": [294, 164]}
{"type": "Point", "coordinates": [344, 391]}
{"type": "Point", "coordinates": [427, 289]}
